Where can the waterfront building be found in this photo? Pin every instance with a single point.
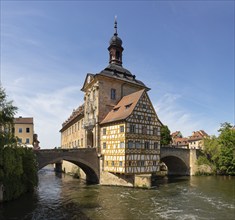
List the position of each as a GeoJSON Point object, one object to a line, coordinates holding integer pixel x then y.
{"type": "Point", "coordinates": [72, 131]}
{"type": "Point", "coordinates": [117, 118]}
{"type": "Point", "coordinates": [196, 140]}
{"type": "Point", "coordinates": [130, 136]}
{"type": "Point", "coordinates": [176, 134]}
{"type": "Point", "coordinates": [181, 142]}
{"type": "Point", "coordinates": [24, 130]}
{"type": "Point", "coordinates": [178, 140]}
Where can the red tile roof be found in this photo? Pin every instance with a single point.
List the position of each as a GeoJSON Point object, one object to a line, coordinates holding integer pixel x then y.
{"type": "Point", "coordinates": [124, 108]}
{"type": "Point", "coordinates": [180, 141]}
{"type": "Point", "coordinates": [22, 120]}
{"type": "Point", "coordinates": [176, 134]}
{"type": "Point", "coordinates": [198, 135]}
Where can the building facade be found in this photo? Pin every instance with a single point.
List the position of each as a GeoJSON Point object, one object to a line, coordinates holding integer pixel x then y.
{"type": "Point", "coordinates": [130, 136]}
{"type": "Point", "coordinates": [196, 140]}
{"type": "Point", "coordinates": [117, 118]}
{"type": "Point", "coordinates": [72, 132]}
{"type": "Point", "coordinates": [24, 130]}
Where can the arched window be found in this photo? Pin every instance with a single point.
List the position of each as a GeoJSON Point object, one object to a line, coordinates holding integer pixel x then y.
{"type": "Point", "coordinates": [117, 55]}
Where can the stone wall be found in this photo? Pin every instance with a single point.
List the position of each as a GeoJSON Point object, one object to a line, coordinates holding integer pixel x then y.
{"type": "Point", "coordinates": [69, 168]}
{"type": "Point", "coordinates": [112, 179]}
{"type": "Point", "coordinates": [143, 180]}
{"type": "Point", "coordinates": [73, 170]}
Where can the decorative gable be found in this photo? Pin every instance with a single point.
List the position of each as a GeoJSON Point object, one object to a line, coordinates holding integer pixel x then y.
{"type": "Point", "coordinates": [144, 112]}
{"type": "Point", "coordinates": [88, 80]}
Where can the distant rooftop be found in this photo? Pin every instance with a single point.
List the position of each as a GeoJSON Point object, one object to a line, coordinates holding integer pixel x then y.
{"type": "Point", "coordinates": [21, 120]}
{"type": "Point", "coordinates": [198, 135]}
{"type": "Point", "coordinates": [76, 112]}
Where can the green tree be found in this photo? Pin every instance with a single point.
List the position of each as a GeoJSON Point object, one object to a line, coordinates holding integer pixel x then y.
{"type": "Point", "coordinates": [29, 163]}
{"type": "Point", "coordinates": [211, 153]}
{"type": "Point", "coordinates": [18, 171]}
{"type": "Point", "coordinates": [18, 168]}
{"type": "Point", "coordinates": [219, 152]}
{"type": "Point", "coordinates": [226, 141]}
{"type": "Point", "coordinates": [7, 112]}
{"type": "Point", "coordinates": [165, 136]}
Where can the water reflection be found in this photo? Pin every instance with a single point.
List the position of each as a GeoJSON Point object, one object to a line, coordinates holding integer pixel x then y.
{"type": "Point", "coordinates": [61, 197]}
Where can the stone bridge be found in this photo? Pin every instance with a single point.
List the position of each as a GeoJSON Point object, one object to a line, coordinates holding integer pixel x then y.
{"type": "Point", "coordinates": [85, 158]}
{"type": "Point", "coordinates": [179, 161]}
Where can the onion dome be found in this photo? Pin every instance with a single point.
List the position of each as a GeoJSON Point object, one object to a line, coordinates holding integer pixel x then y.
{"type": "Point", "coordinates": [115, 40]}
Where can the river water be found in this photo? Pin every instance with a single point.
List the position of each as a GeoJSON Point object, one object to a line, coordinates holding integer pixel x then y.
{"type": "Point", "coordinates": [63, 197]}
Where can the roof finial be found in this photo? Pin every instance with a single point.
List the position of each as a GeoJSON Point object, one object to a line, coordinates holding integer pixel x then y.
{"type": "Point", "coordinates": [115, 26]}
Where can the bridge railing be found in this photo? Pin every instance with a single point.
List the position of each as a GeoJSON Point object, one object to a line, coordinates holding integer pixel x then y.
{"type": "Point", "coordinates": [176, 146]}
{"type": "Point", "coordinates": [65, 149]}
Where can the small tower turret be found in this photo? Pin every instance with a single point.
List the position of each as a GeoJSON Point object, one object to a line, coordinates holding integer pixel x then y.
{"type": "Point", "coordinates": [115, 47]}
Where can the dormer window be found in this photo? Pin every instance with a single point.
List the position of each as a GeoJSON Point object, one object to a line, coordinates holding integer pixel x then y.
{"type": "Point", "coordinates": [116, 109]}
{"type": "Point", "coordinates": [128, 106]}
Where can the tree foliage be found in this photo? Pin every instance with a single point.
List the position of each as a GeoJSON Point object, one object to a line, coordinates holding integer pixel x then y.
{"type": "Point", "coordinates": [165, 136]}
{"type": "Point", "coordinates": [18, 168]}
{"type": "Point", "coordinates": [212, 150]}
{"type": "Point", "coordinates": [226, 140]}
{"type": "Point", "coordinates": [219, 152]}
{"type": "Point", "coordinates": [18, 171]}
{"type": "Point", "coordinates": [7, 112]}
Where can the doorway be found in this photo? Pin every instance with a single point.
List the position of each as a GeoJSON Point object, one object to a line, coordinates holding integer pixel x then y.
{"type": "Point", "coordinates": [89, 138]}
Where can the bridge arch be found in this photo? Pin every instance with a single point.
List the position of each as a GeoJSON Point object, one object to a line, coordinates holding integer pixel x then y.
{"type": "Point", "coordinates": [175, 166]}
{"type": "Point", "coordinates": [177, 160]}
{"type": "Point", "coordinates": [86, 159]}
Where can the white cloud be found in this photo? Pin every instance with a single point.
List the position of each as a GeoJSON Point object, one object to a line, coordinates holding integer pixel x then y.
{"type": "Point", "coordinates": [175, 117]}
{"type": "Point", "coordinates": [49, 112]}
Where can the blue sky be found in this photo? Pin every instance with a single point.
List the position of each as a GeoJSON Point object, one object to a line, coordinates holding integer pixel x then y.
{"type": "Point", "coordinates": [182, 50]}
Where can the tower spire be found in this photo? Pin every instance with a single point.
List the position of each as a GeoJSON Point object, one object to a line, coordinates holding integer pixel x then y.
{"type": "Point", "coordinates": [115, 47]}
{"type": "Point", "coordinates": [115, 25]}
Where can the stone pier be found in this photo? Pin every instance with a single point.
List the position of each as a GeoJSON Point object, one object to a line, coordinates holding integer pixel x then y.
{"type": "Point", "coordinates": [58, 167]}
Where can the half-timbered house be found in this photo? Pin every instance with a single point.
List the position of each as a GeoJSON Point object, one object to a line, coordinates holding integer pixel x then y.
{"type": "Point", "coordinates": [130, 136]}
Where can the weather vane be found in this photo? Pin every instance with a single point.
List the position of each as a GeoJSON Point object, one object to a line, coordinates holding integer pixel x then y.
{"type": "Point", "coordinates": [115, 25]}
